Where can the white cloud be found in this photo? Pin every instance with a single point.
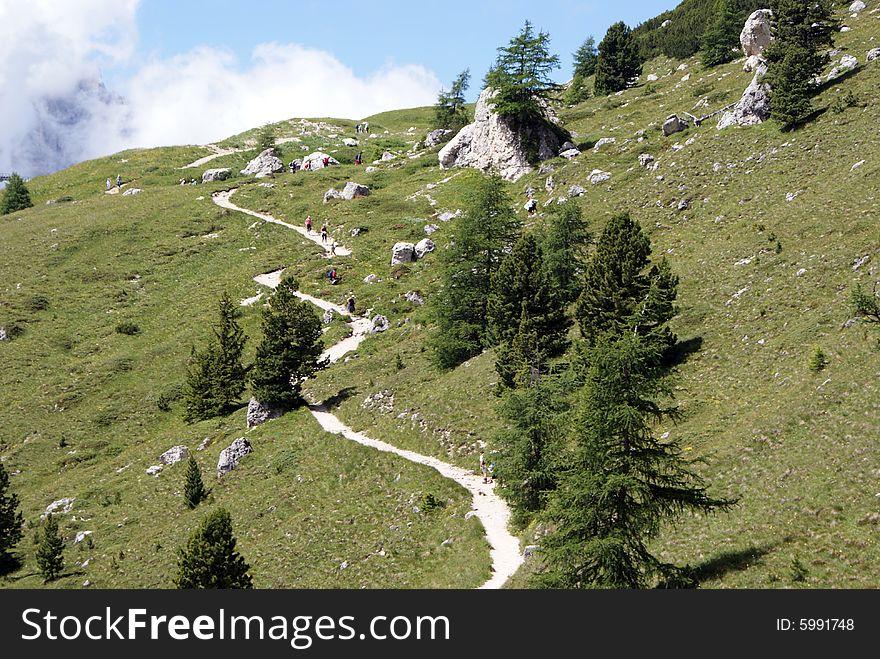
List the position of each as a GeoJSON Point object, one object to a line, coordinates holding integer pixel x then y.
{"type": "Point", "coordinates": [53, 111]}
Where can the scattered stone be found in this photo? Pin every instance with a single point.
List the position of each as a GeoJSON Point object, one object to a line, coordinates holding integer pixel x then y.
{"type": "Point", "coordinates": [350, 141]}
{"type": "Point", "coordinates": [801, 272]}
{"type": "Point", "coordinates": [602, 142]}
{"type": "Point", "coordinates": [230, 457]}
{"type": "Point", "coordinates": [846, 63]}
{"type": "Point", "coordinates": [205, 443]}
{"type": "Point", "coordinates": [370, 170]}
{"type": "Point", "coordinates": [576, 191]}
{"type": "Point", "coordinates": [435, 137]}
{"type": "Point", "coordinates": [80, 536]}
{"type": "Point", "coordinates": [548, 184]}
{"type": "Point", "coordinates": [380, 324]}
{"type": "Point", "coordinates": [424, 246]}
{"type": "Point", "coordinates": [652, 77]}
{"type": "Point", "coordinates": [265, 164]}
{"type": "Point", "coordinates": [431, 228]}
{"type": "Point", "coordinates": [531, 205]}
{"type": "Point", "coordinates": [352, 190]}
{"type": "Point", "coordinates": [530, 550]}
{"type": "Point", "coordinates": [858, 263]}
{"type": "Point", "coordinates": [131, 192]}
{"type": "Point", "coordinates": [871, 518]}
{"type": "Point", "coordinates": [568, 154]}
{"type": "Point", "coordinates": [873, 54]}
{"type": "Point", "coordinates": [328, 316]}
{"type": "Point", "coordinates": [354, 233]}
{"type": "Point", "coordinates": [154, 470]}
{"type": "Point", "coordinates": [845, 28]}
{"type": "Point", "coordinates": [856, 7]}
{"type": "Point", "coordinates": [673, 125]}
{"type": "Point", "coordinates": [682, 67]}
{"type": "Point", "coordinates": [220, 174]}
{"type": "Point", "coordinates": [852, 322]}
{"type": "Point", "coordinates": [332, 193]}
{"type": "Point", "coordinates": [174, 455]}
{"type": "Point", "coordinates": [258, 413]}
{"type": "Point", "coordinates": [683, 205]}
{"type": "Point", "coordinates": [598, 176]}
{"type": "Point", "coordinates": [857, 165]}
{"type": "Point", "coordinates": [414, 298]}
{"type": "Point", "coordinates": [3, 335]}
{"type": "Point", "coordinates": [686, 78]}
{"type": "Point", "coordinates": [645, 159]}
{"type": "Point", "coordinates": [63, 505]}
{"type": "Point", "coordinates": [403, 253]}
{"type": "Point", "coordinates": [386, 156]}
{"type": "Point", "coordinates": [791, 196]}
{"type": "Point", "coordinates": [371, 279]}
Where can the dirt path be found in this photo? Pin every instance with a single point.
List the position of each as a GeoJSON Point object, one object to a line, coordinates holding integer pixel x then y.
{"type": "Point", "coordinates": [218, 151]}
{"type": "Point", "coordinates": [488, 507]}
{"type": "Point", "coordinates": [223, 199]}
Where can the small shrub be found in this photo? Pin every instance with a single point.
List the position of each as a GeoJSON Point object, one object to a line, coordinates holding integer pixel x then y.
{"type": "Point", "coordinates": [398, 362]}
{"type": "Point", "coordinates": [702, 90]}
{"type": "Point", "coordinates": [430, 502]}
{"type": "Point", "coordinates": [37, 303]}
{"type": "Point", "coordinates": [797, 571]}
{"type": "Point", "coordinates": [818, 361]}
{"type": "Point", "coordinates": [128, 328]}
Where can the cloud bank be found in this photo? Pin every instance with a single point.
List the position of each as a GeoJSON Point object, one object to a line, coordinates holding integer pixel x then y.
{"type": "Point", "coordinates": [55, 111]}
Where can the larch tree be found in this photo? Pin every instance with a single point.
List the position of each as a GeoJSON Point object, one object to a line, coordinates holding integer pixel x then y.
{"type": "Point", "coordinates": [210, 559]}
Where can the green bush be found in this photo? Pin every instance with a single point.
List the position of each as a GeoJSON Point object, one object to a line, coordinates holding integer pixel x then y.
{"type": "Point", "coordinates": [127, 327]}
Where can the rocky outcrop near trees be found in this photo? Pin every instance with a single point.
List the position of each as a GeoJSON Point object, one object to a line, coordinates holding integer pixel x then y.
{"type": "Point", "coordinates": [263, 165]}
{"type": "Point", "coordinates": [754, 106]}
{"type": "Point", "coordinates": [232, 455]}
{"type": "Point", "coordinates": [492, 144]}
{"type": "Point", "coordinates": [755, 37]}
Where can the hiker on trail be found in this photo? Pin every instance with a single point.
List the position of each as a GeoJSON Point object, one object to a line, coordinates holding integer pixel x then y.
{"type": "Point", "coordinates": [357, 129]}
{"type": "Point", "coordinates": [359, 159]}
{"type": "Point", "coordinates": [109, 185]}
{"type": "Point", "coordinates": [326, 161]}
{"type": "Point", "coordinates": [366, 126]}
{"type": "Point", "coordinates": [307, 166]}
{"type": "Point", "coordinates": [309, 224]}
{"type": "Point", "coordinates": [324, 233]}
{"type": "Point", "coordinates": [350, 304]}
{"type": "Point", "coordinates": [118, 181]}
{"type": "Point", "coordinates": [483, 468]}
{"type": "Point", "coordinates": [333, 248]}
{"type": "Point", "coordinates": [332, 276]}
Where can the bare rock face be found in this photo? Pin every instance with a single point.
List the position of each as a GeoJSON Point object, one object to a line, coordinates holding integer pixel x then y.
{"type": "Point", "coordinates": [756, 36]}
{"type": "Point", "coordinates": [754, 106]}
{"type": "Point", "coordinates": [264, 164]}
{"type": "Point", "coordinates": [490, 143]}
{"type": "Point", "coordinates": [435, 137]}
{"type": "Point", "coordinates": [231, 456]}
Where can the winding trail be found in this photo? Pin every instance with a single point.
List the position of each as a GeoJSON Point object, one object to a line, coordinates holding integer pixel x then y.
{"type": "Point", "coordinates": [488, 507]}
{"type": "Point", "coordinates": [218, 151]}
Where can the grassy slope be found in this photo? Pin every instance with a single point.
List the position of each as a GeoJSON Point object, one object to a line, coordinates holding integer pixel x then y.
{"type": "Point", "coordinates": [800, 452]}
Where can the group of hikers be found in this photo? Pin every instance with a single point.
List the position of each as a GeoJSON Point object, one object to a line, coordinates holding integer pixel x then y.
{"type": "Point", "coordinates": [296, 165]}
{"type": "Point", "coordinates": [362, 128]}
{"type": "Point", "coordinates": [118, 182]}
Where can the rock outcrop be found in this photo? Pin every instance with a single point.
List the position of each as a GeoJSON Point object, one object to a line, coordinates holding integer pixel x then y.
{"type": "Point", "coordinates": [435, 137]}
{"type": "Point", "coordinates": [756, 35]}
{"type": "Point", "coordinates": [403, 253]}
{"type": "Point", "coordinates": [380, 324]}
{"type": "Point", "coordinates": [174, 455]}
{"type": "Point", "coordinates": [754, 106]}
{"type": "Point", "coordinates": [491, 143]}
{"type": "Point", "coordinates": [316, 161]}
{"type": "Point", "coordinates": [131, 192]}
{"type": "Point", "coordinates": [219, 174]}
{"type": "Point", "coordinates": [873, 54]}
{"type": "Point", "coordinates": [263, 165]}
{"type": "Point", "coordinates": [673, 125]}
{"type": "Point", "coordinates": [349, 192]}
{"type": "Point", "coordinates": [258, 413]}
{"type": "Point", "coordinates": [350, 141]}
{"type": "Point", "coordinates": [231, 456]}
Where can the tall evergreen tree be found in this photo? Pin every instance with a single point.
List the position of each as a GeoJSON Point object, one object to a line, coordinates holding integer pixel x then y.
{"type": "Point", "coordinates": [486, 229]}
{"type": "Point", "coordinates": [622, 291]}
{"type": "Point", "coordinates": [16, 196]}
{"type": "Point", "coordinates": [194, 491]}
{"type": "Point", "coordinates": [622, 483]}
{"type": "Point", "coordinates": [585, 58]}
{"type": "Point", "coordinates": [216, 375]}
{"type": "Point", "coordinates": [564, 246]}
{"type": "Point", "coordinates": [10, 519]}
{"type": "Point", "coordinates": [210, 560]}
{"type": "Point", "coordinates": [290, 347]}
{"type": "Point", "coordinates": [50, 550]}
{"type": "Point", "coordinates": [449, 112]}
{"type": "Point", "coordinates": [618, 61]}
{"type": "Point", "coordinates": [802, 33]}
{"type": "Point", "coordinates": [521, 75]}
{"type": "Point", "coordinates": [721, 39]}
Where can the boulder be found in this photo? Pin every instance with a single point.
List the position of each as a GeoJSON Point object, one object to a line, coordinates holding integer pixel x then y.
{"type": "Point", "coordinates": [81, 535]}
{"type": "Point", "coordinates": [414, 298]}
{"type": "Point", "coordinates": [856, 7]}
{"type": "Point", "coordinates": [491, 143]}
{"type": "Point", "coordinates": [566, 146]}
{"type": "Point", "coordinates": [231, 456]}
{"type": "Point", "coordinates": [756, 34]}
{"type": "Point", "coordinates": [386, 156]}
{"type": "Point", "coordinates": [568, 154]}
{"type": "Point", "coordinates": [332, 193]}
{"type": "Point", "coordinates": [155, 470]}
{"type": "Point", "coordinates": [131, 192]}
{"type": "Point", "coordinates": [431, 228]}
{"type": "Point", "coordinates": [873, 54]}
{"type": "Point", "coordinates": [63, 505]}
{"type": "Point", "coordinates": [602, 142]}
{"type": "Point", "coordinates": [258, 413]}
{"type": "Point", "coordinates": [754, 106]}
{"type": "Point", "coordinates": [370, 170]}
{"type": "Point", "coordinates": [531, 205]}
{"type": "Point", "coordinates": [403, 253]}
{"type": "Point", "coordinates": [673, 125]}
{"type": "Point", "coordinates": [652, 77]}
{"type": "Point", "coordinates": [598, 176]}
{"type": "Point", "coordinates": [265, 164]}
{"type": "Point", "coordinates": [448, 215]}
{"type": "Point", "coordinates": [3, 335]}
{"type": "Point", "coordinates": [371, 279]}
{"type": "Point", "coordinates": [350, 141]}
{"type": "Point", "coordinates": [846, 63]}
{"type": "Point", "coordinates": [576, 191]}
{"type": "Point", "coordinates": [352, 190]}
{"type": "Point", "coordinates": [220, 174]}
{"type": "Point", "coordinates": [424, 246]}
{"type": "Point", "coordinates": [380, 324]}
{"type": "Point", "coordinates": [316, 160]}
{"type": "Point", "coordinates": [174, 455]}
{"type": "Point", "coordinates": [645, 159]}
{"type": "Point", "coordinates": [435, 137]}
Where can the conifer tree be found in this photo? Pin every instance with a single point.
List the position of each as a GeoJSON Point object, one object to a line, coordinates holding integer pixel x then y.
{"type": "Point", "coordinates": [802, 33]}
{"type": "Point", "coordinates": [289, 350]}
{"type": "Point", "coordinates": [721, 39]}
{"type": "Point", "coordinates": [521, 75]}
{"type": "Point", "coordinates": [50, 550]}
{"type": "Point", "coordinates": [564, 246]}
{"type": "Point", "coordinates": [209, 559]}
{"type": "Point", "coordinates": [16, 196]}
{"type": "Point", "coordinates": [449, 112]}
{"type": "Point", "coordinates": [622, 484]}
{"type": "Point", "coordinates": [618, 61]}
{"type": "Point", "coordinates": [488, 226]}
{"type": "Point", "coordinates": [622, 291]}
{"type": "Point", "coordinates": [194, 491]}
{"type": "Point", "coordinates": [216, 375]}
{"type": "Point", "coordinates": [10, 519]}
{"type": "Point", "coordinates": [584, 66]}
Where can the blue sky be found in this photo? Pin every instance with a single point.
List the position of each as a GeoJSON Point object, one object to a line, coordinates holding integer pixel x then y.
{"type": "Point", "coordinates": [445, 37]}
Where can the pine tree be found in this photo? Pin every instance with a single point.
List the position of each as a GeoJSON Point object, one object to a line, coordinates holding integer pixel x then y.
{"type": "Point", "coordinates": [194, 491]}
{"type": "Point", "coordinates": [523, 305]}
{"type": "Point", "coordinates": [584, 66]}
{"type": "Point", "coordinates": [618, 61]}
{"type": "Point", "coordinates": [622, 291]}
{"type": "Point", "coordinates": [16, 196]}
{"type": "Point", "coordinates": [487, 228]}
{"type": "Point", "coordinates": [564, 247]}
{"type": "Point", "coordinates": [216, 375]}
{"type": "Point", "coordinates": [449, 112]}
{"type": "Point", "coordinates": [50, 550]}
{"type": "Point", "coordinates": [802, 34]}
{"type": "Point", "coordinates": [210, 560]}
{"type": "Point", "coordinates": [521, 75]}
{"type": "Point", "coordinates": [10, 520]}
{"type": "Point", "coordinates": [622, 484]}
{"type": "Point", "coordinates": [721, 39]}
{"type": "Point", "coordinates": [266, 138]}
{"type": "Point", "coordinates": [289, 350]}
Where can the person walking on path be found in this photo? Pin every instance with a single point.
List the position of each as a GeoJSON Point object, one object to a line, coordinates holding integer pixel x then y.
{"type": "Point", "coordinates": [350, 304]}
{"type": "Point", "coordinates": [308, 223]}
{"type": "Point", "coordinates": [109, 185]}
{"type": "Point", "coordinates": [118, 181]}
{"type": "Point", "coordinates": [332, 248]}
{"type": "Point", "coordinates": [483, 468]}
{"type": "Point", "coordinates": [324, 233]}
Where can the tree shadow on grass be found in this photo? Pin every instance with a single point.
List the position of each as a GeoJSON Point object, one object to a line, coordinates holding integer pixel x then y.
{"type": "Point", "coordinates": [680, 352]}
{"type": "Point", "coordinates": [730, 561]}
{"type": "Point", "coordinates": [339, 397]}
